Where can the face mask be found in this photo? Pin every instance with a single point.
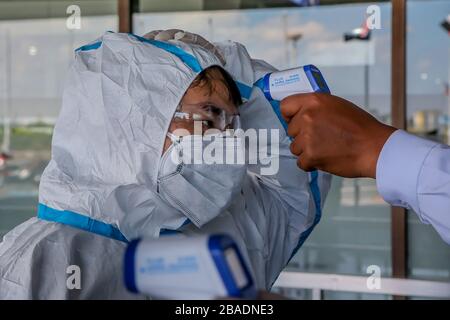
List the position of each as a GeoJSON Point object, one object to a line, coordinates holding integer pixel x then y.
{"type": "Point", "coordinates": [190, 181]}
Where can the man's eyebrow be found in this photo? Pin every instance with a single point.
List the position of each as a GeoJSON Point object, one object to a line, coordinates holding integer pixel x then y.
{"type": "Point", "coordinates": [220, 103]}
{"type": "Point", "coordinates": [228, 101]}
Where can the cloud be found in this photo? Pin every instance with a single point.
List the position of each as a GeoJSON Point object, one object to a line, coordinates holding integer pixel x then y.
{"type": "Point", "coordinates": [339, 53]}
{"type": "Point", "coordinates": [311, 29]}
{"type": "Point", "coordinates": [262, 32]}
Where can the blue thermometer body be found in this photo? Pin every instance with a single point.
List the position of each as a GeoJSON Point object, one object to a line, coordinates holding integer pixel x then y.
{"type": "Point", "coordinates": [281, 84]}
{"type": "Point", "coordinates": [180, 267]}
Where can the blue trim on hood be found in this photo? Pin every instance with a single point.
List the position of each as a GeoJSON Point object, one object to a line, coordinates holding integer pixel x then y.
{"type": "Point", "coordinates": [91, 46]}
{"type": "Point", "coordinates": [315, 190]}
{"type": "Point", "coordinates": [187, 58]}
{"type": "Point", "coordinates": [244, 89]}
{"type": "Point", "coordinates": [79, 221]}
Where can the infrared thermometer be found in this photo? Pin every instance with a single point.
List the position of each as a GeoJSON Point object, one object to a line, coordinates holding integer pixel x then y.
{"type": "Point", "coordinates": [281, 84]}
{"type": "Point", "coordinates": [180, 267]}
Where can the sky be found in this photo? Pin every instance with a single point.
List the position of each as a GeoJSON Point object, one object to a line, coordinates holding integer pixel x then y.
{"type": "Point", "coordinates": [41, 50]}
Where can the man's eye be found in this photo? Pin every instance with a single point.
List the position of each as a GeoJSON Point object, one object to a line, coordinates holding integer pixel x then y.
{"type": "Point", "coordinates": [209, 124]}
{"type": "Point", "coordinates": [212, 108]}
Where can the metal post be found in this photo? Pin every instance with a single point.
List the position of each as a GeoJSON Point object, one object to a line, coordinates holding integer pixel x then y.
{"type": "Point", "coordinates": [286, 40]}
{"type": "Point", "coordinates": [125, 15]}
{"type": "Point", "coordinates": [398, 111]}
{"type": "Point", "coordinates": [366, 77]}
{"type": "Point", "coordinates": [448, 101]}
{"type": "Point", "coordinates": [7, 110]}
{"type": "Point", "coordinates": [210, 29]}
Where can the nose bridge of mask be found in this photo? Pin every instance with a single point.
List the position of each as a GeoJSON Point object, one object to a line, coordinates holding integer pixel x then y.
{"type": "Point", "coordinates": [173, 138]}
{"type": "Point", "coordinates": [220, 120]}
{"type": "Point", "coordinates": [214, 149]}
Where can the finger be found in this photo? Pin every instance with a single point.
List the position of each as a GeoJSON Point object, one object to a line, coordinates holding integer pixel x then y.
{"type": "Point", "coordinates": [162, 36]}
{"type": "Point", "coordinates": [295, 124]}
{"type": "Point", "coordinates": [296, 147]}
{"type": "Point", "coordinates": [286, 118]}
{"type": "Point", "coordinates": [291, 105]}
{"type": "Point", "coordinates": [173, 31]}
{"type": "Point", "coordinates": [195, 39]}
{"type": "Point", "coordinates": [219, 55]}
{"type": "Point", "coordinates": [304, 164]}
{"type": "Point", "coordinates": [189, 37]}
{"type": "Point", "coordinates": [151, 35]}
{"type": "Point", "coordinates": [192, 38]}
{"type": "Point", "coordinates": [166, 35]}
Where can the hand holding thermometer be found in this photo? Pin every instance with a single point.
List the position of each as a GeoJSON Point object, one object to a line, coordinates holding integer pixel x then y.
{"type": "Point", "coordinates": [281, 84]}
{"type": "Point", "coordinates": [179, 267]}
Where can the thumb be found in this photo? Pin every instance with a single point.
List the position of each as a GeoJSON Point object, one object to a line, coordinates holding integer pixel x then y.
{"type": "Point", "coordinates": [290, 106]}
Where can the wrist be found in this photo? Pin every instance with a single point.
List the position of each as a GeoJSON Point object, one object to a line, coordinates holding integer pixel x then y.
{"type": "Point", "coordinates": [377, 137]}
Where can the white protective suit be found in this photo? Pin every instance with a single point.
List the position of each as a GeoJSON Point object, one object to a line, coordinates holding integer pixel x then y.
{"type": "Point", "coordinates": [100, 187]}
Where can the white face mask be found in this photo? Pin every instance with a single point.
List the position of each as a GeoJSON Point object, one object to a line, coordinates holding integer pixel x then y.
{"type": "Point", "coordinates": [188, 181]}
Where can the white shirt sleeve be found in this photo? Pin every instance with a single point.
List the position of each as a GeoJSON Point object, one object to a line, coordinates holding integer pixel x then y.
{"type": "Point", "coordinates": [415, 173]}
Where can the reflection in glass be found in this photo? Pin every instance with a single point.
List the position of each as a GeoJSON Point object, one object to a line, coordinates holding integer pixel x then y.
{"type": "Point", "coordinates": [35, 55]}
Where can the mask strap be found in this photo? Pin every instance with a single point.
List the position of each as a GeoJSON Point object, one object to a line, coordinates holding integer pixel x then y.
{"type": "Point", "coordinates": [173, 138]}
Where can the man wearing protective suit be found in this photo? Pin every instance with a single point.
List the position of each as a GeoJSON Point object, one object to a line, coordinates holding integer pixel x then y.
{"type": "Point", "coordinates": [109, 180]}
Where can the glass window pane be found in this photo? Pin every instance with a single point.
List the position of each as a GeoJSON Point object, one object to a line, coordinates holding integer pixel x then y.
{"type": "Point", "coordinates": [428, 109]}
{"type": "Point", "coordinates": [196, 5]}
{"type": "Point", "coordinates": [35, 55]}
